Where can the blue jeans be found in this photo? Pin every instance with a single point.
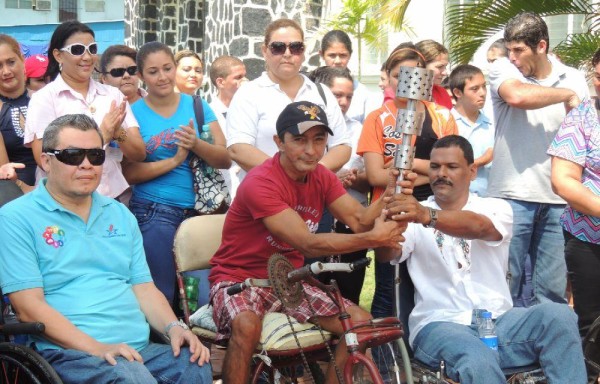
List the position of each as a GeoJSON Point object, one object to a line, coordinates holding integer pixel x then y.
{"type": "Point", "coordinates": [158, 223]}
{"type": "Point", "coordinates": [537, 232]}
{"type": "Point", "coordinates": [160, 366]}
{"type": "Point", "coordinates": [546, 334]}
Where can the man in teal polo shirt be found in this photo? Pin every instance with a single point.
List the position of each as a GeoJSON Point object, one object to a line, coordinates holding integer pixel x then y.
{"type": "Point", "coordinates": [74, 260]}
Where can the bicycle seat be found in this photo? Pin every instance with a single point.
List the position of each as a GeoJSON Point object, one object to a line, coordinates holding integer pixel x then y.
{"type": "Point", "coordinates": [276, 332]}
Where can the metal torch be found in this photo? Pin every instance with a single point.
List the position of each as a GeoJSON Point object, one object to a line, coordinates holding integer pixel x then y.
{"type": "Point", "coordinates": [414, 85]}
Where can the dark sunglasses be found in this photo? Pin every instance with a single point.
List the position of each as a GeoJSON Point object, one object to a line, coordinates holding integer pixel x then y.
{"type": "Point", "coordinates": [75, 156]}
{"type": "Point", "coordinates": [279, 47]}
{"type": "Point", "coordinates": [120, 72]}
{"type": "Point", "coordinates": [78, 49]}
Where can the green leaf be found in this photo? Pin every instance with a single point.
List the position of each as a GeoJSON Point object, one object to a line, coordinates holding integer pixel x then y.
{"type": "Point", "coordinates": [469, 25]}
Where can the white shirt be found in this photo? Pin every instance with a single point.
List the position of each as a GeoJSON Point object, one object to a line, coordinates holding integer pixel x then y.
{"type": "Point", "coordinates": [445, 291]}
{"type": "Point", "coordinates": [356, 161]}
{"type": "Point", "coordinates": [255, 107]}
{"type": "Point", "coordinates": [231, 175]}
{"type": "Point", "coordinates": [363, 102]}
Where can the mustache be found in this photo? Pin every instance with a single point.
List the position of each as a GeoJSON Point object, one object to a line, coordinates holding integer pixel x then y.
{"type": "Point", "coordinates": [442, 181]}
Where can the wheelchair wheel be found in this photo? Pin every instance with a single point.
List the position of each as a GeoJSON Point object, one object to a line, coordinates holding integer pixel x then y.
{"type": "Point", "coordinates": [387, 357]}
{"type": "Point", "coordinates": [22, 365]}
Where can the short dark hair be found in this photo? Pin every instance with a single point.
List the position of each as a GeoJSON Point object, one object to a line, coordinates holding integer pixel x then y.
{"type": "Point", "coordinates": [149, 48]}
{"type": "Point", "coordinates": [221, 67]}
{"type": "Point", "coordinates": [459, 76]}
{"type": "Point", "coordinates": [336, 36]}
{"type": "Point", "coordinates": [596, 58]}
{"type": "Point", "coordinates": [113, 51]}
{"type": "Point", "coordinates": [326, 75]}
{"type": "Point", "coordinates": [78, 121]}
{"type": "Point", "coordinates": [456, 141]}
{"type": "Point", "coordinates": [57, 41]}
{"type": "Point", "coordinates": [529, 28]}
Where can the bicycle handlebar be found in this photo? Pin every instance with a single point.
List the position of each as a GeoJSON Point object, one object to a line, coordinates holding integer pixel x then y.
{"type": "Point", "coordinates": [236, 288]}
{"type": "Point", "coordinates": [23, 328]}
{"type": "Point", "coordinates": [319, 267]}
{"type": "Point", "coordinates": [302, 273]}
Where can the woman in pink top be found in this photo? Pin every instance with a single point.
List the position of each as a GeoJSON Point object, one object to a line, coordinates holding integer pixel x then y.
{"type": "Point", "coordinates": [72, 55]}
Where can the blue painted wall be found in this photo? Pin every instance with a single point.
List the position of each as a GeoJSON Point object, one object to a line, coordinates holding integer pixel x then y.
{"type": "Point", "coordinates": [35, 38]}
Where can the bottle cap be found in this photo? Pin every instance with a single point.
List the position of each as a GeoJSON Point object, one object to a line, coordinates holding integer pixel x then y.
{"type": "Point", "coordinates": [206, 127]}
{"type": "Point", "coordinates": [486, 315]}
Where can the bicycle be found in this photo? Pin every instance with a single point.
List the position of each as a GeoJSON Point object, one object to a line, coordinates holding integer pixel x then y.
{"type": "Point", "coordinates": [286, 283]}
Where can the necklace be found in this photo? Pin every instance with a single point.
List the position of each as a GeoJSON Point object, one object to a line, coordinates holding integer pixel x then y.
{"type": "Point", "coordinates": [463, 262]}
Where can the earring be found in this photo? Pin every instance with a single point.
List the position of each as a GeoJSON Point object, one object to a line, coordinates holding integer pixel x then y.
{"type": "Point", "coordinates": [60, 67]}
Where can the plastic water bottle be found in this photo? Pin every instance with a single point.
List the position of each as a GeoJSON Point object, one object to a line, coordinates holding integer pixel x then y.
{"type": "Point", "coordinates": [191, 292]}
{"type": "Point", "coordinates": [487, 331]}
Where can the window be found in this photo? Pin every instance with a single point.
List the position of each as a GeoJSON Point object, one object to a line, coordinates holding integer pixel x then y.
{"type": "Point", "coordinates": [19, 4]}
{"type": "Point", "coordinates": [562, 25]}
{"type": "Point", "coordinates": [67, 10]}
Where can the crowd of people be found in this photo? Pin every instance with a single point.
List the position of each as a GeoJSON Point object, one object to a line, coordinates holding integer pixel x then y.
{"type": "Point", "coordinates": [501, 175]}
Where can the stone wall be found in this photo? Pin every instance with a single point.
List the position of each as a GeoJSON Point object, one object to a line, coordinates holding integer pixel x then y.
{"type": "Point", "coordinates": [177, 23]}
{"type": "Point", "coordinates": [237, 27]}
{"type": "Point", "coordinates": [232, 27]}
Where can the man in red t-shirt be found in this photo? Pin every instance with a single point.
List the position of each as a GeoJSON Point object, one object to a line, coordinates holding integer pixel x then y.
{"type": "Point", "coordinates": [277, 210]}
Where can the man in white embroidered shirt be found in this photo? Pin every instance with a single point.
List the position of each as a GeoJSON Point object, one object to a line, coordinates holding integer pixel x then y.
{"type": "Point", "coordinates": [456, 250]}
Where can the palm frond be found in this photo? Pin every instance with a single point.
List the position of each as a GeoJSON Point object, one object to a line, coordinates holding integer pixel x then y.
{"type": "Point", "coordinates": [392, 12]}
{"type": "Point", "coordinates": [577, 50]}
{"type": "Point", "coordinates": [471, 24]}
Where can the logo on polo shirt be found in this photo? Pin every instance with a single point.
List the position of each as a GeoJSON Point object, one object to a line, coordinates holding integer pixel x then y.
{"type": "Point", "coordinates": [113, 232]}
{"type": "Point", "coordinates": [54, 236]}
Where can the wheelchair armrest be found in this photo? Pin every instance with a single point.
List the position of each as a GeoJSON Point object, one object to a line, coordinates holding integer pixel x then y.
{"type": "Point", "coordinates": [33, 328]}
{"type": "Point", "coordinates": [158, 337]}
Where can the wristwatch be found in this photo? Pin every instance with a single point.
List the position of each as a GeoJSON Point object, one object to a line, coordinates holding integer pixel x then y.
{"type": "Point", "coordinates": [177, 323]}
{"type": "Point", "coordinates": [433, 214]}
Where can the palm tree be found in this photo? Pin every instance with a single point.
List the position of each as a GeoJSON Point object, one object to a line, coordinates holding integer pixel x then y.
{"type": "Point", "coordinates": [470, 24]}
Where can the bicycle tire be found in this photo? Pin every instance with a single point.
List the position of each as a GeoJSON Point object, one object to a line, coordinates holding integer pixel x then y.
{"type": "Point", "coordinates": [22, 365]}
{"type": "Point", "coordinates": [388, 360]}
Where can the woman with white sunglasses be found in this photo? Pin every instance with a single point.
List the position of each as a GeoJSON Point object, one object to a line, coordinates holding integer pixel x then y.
{"type": "Point", "coordinates": [255, 106]}
{"type": "Point", "coordinates": [72, 55]}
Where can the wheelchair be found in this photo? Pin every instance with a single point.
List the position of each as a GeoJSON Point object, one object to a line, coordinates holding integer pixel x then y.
{"type": "Point", "coordinates": [416, 371]}
{"type": "Point", "coordinates": [20, 364]}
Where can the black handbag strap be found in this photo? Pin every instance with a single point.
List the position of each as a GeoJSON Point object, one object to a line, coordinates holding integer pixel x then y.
{"type": "Point", "coordinates": [321, 92]}
{"type": "Point", "coordinates": [199, 112]}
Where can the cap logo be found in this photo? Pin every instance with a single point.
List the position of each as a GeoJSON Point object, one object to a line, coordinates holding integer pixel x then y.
{"type": "Point", "coordinates": [312, 111]}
